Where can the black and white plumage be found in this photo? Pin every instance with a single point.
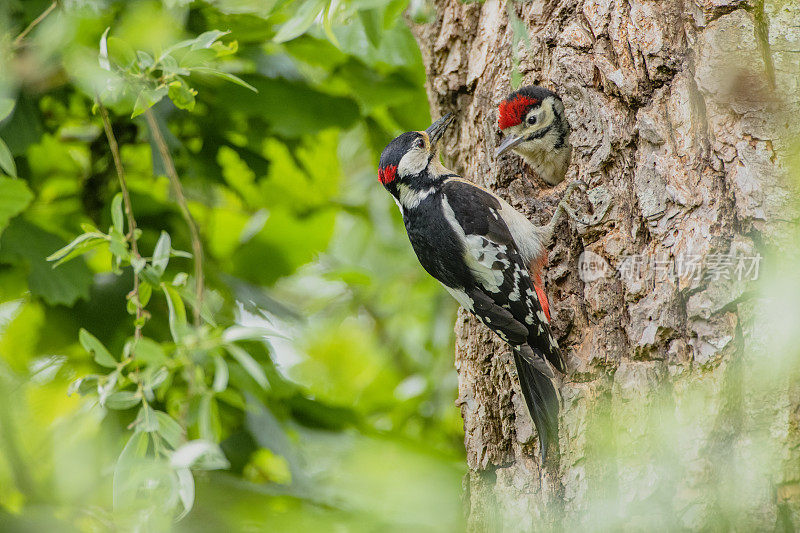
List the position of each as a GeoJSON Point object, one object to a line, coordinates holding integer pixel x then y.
{"type": "Point", "coordinates": [480, 248]}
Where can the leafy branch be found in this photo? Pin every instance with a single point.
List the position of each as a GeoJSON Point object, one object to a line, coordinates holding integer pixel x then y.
{"type": "Point", "coordinates": [132, 235]}
{"type": "Point", "coordinates": [195, 357]}
{"type": "Point", "coordinates": [18, 41]}
{"type": "Point", "coordinates": [177, 188]}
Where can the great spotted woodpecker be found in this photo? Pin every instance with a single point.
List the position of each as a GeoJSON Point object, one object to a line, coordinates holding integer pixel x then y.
{"type": "Point", "coordinates": [534, 126]}
{"type": "Point", "coordinates": [481, 249]}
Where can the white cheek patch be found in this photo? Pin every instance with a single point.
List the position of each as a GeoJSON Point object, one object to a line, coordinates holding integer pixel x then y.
{"type": "Point", "coordinates": [413, 162]}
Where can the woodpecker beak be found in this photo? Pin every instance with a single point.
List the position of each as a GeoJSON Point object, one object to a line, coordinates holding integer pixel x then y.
{"type": "Point", "coordinates": [508, 143]}
{"type": "Point", "coordinates": [436, 130]}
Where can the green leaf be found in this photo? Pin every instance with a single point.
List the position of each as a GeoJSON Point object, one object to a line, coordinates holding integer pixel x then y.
{"type": "Point", "coordinates": [249, 333]}
{"type": "Point", "coordinates": [161, 253]}
{"type": "Point", "coordinates": [220, 374]}
{"type": "Point", "coordinates": [177, 313]}
{"type": "Point", "coordinates": [182, 95]}
{"type": "Point", "coordinates": [146, 419]}
{"type": "Point", "coordinates": [80, 245]}
{"type": "Point", "coordinates": [196, 58]}
{"type": "Point", "coordinates": [185, 490]}
{"type": "Point", "coordinates": [118, 246]}
{"type": "Point", "coordinates": [7, 160]}
{"type": "Point", "coordinates": [169, 429]}
{"type": "Point", "coordinates": [328, 26]}
{"type": "Point", "coordinates": [225, 76]}
{"type": "Point", "coordinates": [6, 107]}
{"type": "Point", "coordinates": [208, 423]}
{"type": "Point", "coordinates": [145, 291]}
{"type": "Point", "coordinates": [83, 385]}
{"type": "Point", "coordinates": [145, 60]}
{"type": "Point", "coordinates": [199, 454]}
{"type": "Point", "coordinates": [107, 386]}
{"type": "Point", "coordinates": [206, 39]}
{"type": "Point", "coordinates": [223, 49]}
{"type": "Point", "coordinates": [123, 484]}
{"type": "Point", "coordinates": [102, 56]}
{"type": "Point", "coordinates": [302, 20]}
{"type": "Point", "coordinates": [248, 363]}
{"type": "Point", "coordinates": [169, 65]}
{"type": "Point", "coordinates": [120, 52]}
{"type": "Point", "coordinates": [202, 41]}
{"type": "Point", "coordinates": [268, 467]}
{"type": "Point", "coordinates": [148, 98]}
{"type": "Point", "coordinates": [26, 244]}
{"type": "Point", "coordinates": [371, 20]}
{"type": "Point", "coordinates": [117, 216]}
{"type": "Point", "coordinates": [92, 345]}
{"type": "Point", "coordinates": [153, 379]}
{"type": "Point", "coordinates": [150, 352]}
{"type": "Point", "coordinates": [122, 400]}
{"type": "Point", "coordinates": [138, 264]}
{"type": "Point", "coordinates": [14, 198]}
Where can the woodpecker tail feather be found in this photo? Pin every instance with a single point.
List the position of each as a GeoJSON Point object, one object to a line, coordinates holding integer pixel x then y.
{"type": "Point", "coordinates": [540, 395]}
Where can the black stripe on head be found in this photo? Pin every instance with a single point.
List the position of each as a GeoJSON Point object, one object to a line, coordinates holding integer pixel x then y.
{"type": "Point", "coordinates": [533, 91]}
{"type": "Point", "coordinates": [396, 149]}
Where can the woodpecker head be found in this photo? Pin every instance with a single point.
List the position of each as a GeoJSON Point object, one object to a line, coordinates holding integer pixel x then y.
{"type": "Point", "coordinates": [533, 124]}
{"type": "Point", "coordinates": [410, 163]}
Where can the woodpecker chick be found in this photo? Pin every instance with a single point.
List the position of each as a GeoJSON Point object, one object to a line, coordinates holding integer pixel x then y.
{"type": "Point", "coordinates": [481, 249]}
{"type": "Point", "coordinates": [534, 126]}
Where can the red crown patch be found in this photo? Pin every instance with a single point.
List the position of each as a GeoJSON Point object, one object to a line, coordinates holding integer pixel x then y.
{"type": "Point", "coordinates": [512, 112]}
{"type": "Point", "coordinates": [388, 174]}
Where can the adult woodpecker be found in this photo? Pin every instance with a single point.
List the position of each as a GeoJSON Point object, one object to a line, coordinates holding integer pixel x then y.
{"type": "Point", "coordinates": [480, 248]}
{"type": "Point", "coordinates": [534, 126]}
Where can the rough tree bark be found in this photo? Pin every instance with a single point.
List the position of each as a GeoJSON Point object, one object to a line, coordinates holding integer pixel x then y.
{"type": "Point", "coordinates": [682, 112]}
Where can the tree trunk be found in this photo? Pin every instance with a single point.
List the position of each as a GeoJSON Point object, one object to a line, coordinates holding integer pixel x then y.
{"type": "Point", "coordinates": [683, 114]}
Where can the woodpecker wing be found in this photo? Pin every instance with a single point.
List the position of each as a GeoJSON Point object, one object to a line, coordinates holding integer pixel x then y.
{"type": "Point", "coordinates": [503, 293]}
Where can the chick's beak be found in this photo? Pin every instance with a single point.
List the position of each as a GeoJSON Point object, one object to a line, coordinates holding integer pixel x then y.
{"type": "Point", "coordinates": [437, 129]}
{"type": "Point", "coordinates": [508, 143]}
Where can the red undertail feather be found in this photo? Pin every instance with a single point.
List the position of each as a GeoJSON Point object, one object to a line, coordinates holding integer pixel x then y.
{"type": "Point", "coordinates": [536, 267]}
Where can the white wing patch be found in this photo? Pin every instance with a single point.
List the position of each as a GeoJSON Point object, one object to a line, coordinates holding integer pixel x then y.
{"type": "Point", "coordinates": [514, 294]}
{"type": "Point", "coordinates": [481, 254]}
{"type": "Point", "coordinates": [528, 238]}
{"type": "Point", "coordinates": [461, 297]}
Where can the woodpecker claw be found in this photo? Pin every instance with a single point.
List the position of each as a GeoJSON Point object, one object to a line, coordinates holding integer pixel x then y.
{"type": "Point", "coordinates": [563, 205]}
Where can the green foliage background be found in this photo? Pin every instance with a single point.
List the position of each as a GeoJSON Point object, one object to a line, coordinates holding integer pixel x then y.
{"type": "Point", "coordinates": [317, 391]}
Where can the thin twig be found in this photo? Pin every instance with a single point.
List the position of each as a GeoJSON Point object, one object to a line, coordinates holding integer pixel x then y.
{"type": "Point", "coordinates": [197, 244]}
{"type": "Point", "coordinates": [126, 197]}
{"type": "Point", "coordinates": [36, 21]}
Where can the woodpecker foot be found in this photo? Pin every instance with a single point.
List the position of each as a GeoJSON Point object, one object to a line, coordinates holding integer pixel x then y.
{"type": "Point", "coordinates": [592, 220]}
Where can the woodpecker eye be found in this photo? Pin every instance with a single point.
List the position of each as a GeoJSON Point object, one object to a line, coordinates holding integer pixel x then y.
{"type": "Point", "coordinates": [532, 120]}
{"type": "Point", "coordinates": [420, 143]}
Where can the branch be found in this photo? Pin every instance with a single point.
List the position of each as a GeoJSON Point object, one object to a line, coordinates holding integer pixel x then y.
{"type": "Point", "coordinates": [197, 245]}
{"type": "Point", "coordinates": [126, 197]}
{"type": "Point", "coordinates": [18, 41]}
